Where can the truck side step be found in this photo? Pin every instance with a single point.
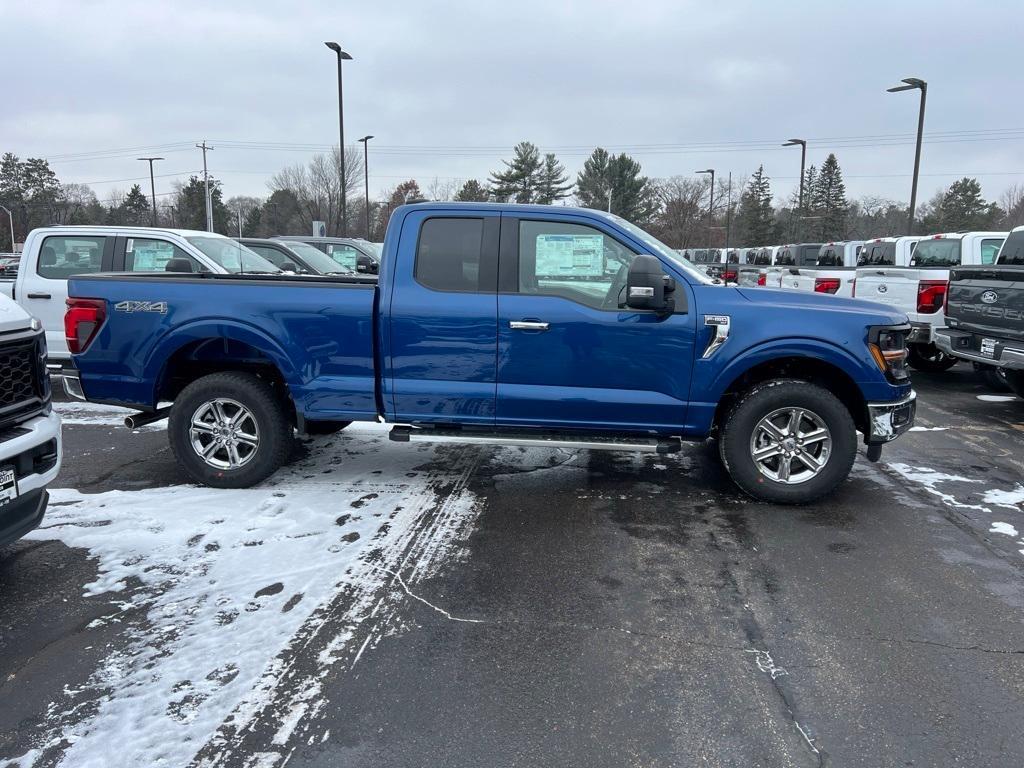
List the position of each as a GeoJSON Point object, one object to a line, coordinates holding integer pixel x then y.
{"type": "Point", "coordinates": [405, 434]}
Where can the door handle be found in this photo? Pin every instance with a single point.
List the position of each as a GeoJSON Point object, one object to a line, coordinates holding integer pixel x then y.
{"type": "Point", "coordinates": [527, 325]}
{"type": "Point", "coordinates": [39, 296]}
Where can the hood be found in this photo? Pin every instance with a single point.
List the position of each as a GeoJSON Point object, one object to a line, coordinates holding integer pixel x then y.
{"type": "Point", "coordinates": [13, 317]}
{"type": "Point", "coordinates": [873, 313]}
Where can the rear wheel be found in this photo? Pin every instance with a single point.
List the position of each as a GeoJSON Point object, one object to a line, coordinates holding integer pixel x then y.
{"type": "Point", "coordinates": [229, 430]}
{"type": "Point", "coordinates": [788, 442]}
{"type": "Point", "coordinates": [993, 377]}
{"type": "Point", "coordinates": [1015, 380]}
{"type": "Point", "coordinates": [929, 358]}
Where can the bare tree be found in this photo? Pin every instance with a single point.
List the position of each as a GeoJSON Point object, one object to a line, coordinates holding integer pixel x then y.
{"type": "Point", "coordinates": [442, 189]}
{"type": "Point", "coordinates": [317, 187]}
{"type": "Point", "coordinates": [1012, 201]}
{"type": "Point", "coordinates": [682, 220]}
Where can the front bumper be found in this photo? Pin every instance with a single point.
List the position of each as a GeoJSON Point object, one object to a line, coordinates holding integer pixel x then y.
{"type": "Point", "coordinates": [966, 345]}
{"type": "Point", "coordinates": [887, 421]}
{"type": "Point", "coordinates": [30, 449]}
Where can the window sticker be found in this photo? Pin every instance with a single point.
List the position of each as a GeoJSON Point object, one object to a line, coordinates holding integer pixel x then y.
{"type": "Point", "coordinates": [570, 255]}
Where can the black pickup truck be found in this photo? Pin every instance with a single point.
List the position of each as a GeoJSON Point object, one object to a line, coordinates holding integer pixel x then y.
{"type": "Point", "coordinates": [985, 313]}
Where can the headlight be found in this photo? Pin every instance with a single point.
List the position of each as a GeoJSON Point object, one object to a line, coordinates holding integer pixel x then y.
{"type": "Point", "coordinates": [888, 347]}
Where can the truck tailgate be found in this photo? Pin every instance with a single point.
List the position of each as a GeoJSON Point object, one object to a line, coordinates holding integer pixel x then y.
{"type": "Point", "coordinates": [318, 333]}
{"type": "Point", "coordinates": [895, 286]}
{"type": "Point", "coordinates": [988, 299]}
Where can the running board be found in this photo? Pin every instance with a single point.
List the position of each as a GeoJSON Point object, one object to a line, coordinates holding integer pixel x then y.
{"type": "Point", "coordinates": [405, 434]}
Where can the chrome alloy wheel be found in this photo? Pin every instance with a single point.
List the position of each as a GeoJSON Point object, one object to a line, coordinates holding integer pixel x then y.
{"type": "Point", "coordinates": [790, 445]}
{"type": "Point", "coordinates": [224, 433]}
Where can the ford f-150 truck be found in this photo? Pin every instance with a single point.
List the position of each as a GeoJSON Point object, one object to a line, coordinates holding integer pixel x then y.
{"type": "Point", "coordinates": [919, 289]}
{"type": "Point", "coordinates": [499, 323]}
{"type": "Point", "coordinates": [832, 274]}
{"type": "Point", "coordinates": [985, 313]}
{"type": "Point", "coordinates": [29, 429]}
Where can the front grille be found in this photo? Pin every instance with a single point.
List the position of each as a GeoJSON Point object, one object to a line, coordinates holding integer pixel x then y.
{"type": "Point", "coordinates": [24, 389]}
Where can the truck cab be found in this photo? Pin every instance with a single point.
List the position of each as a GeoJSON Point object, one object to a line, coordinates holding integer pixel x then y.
{"type": "Point", "coordinates": [919, 289]}
{"type": "Point", "coordinates": [985, 313]}
{"type": "Point", "coordinates": [834, 272]}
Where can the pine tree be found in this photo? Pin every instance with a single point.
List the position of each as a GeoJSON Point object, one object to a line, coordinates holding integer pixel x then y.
{"type": "Point", "coordinates": [135, 208]}
{"type": "Point", "coordinates": [472, 192]}
{"type": "Point", "coordinates": [963, 207]}
{"type": "Point", "coordinates": [828, 200]}
{"type": "Point", "coordinates": [633, 196]}
{"type": "Point", "coordinates": [191, 206]}
{"type": "Point", "coordinates": [756, 217]}
{"type": "Point", "coordinates": [551, 182]}
{"type": "Point", "coordinates": [520, 177]}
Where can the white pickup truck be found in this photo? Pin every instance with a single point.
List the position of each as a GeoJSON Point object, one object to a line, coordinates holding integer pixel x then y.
{"type": "Point", "coordinates": [919, 289]}
{"type": "Point", "coordinates": [833, 273]}
{"type": "Point", "coordinates": [53, 254]}
{"type": "Point", "coordinates": [760, 269]}
{"type": "Point", "coordinates": [29, 429]}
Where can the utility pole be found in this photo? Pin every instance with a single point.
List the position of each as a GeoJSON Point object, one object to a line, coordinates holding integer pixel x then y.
{"type": "Point", "coordinates": [366, 179]}
{"type": "Point", "coordinates": [728, 214]}
{"type": "Point", "coordinates": [803, 162]}
{"type": "Point", "coordinates": [206, 185]}
{"type": "Point", "coordinates": [10, 216]}
{"type": "Point", "coordinates": [238, 212]}
{"type": "Point", "coordinates": [152, 185]}
{"type": "Point", "coordinates": [711, 202]}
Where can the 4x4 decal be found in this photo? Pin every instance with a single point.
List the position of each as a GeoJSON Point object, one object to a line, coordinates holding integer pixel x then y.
{"type": "Point", "coordinates": [141, 306]}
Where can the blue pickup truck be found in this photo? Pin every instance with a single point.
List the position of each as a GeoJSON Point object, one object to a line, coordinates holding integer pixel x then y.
{"type": "Point", "coordinates": [499, 323]}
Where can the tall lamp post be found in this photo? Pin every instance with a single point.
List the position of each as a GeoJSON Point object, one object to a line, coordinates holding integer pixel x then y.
{"type": "Point", "coordinates": [342, 56]}
{"type": "Point", "coordinates": [366, 179]}
{"type": "Point", "coordinates": [152, 185]}
{"type": "Point", "coordinates": [803, 163]}
{"type": "Point", "coordinates": [10, 216]}
{"type": "Point", "coordinates": [711, 202]}
{"type": "Point", "coordinates": [910, 83]}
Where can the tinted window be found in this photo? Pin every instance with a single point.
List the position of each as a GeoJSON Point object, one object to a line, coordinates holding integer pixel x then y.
{"type": "Point", "coordinates": [448, 254]}
{"type": "Point", "coordinates": [62, 256]}
{"type": "Point", "coordinates": [990, 249]}
{"type": "Point", "coordinates": [877, 254]}
{"type": "Point", "coordinates": [572, 261]}
{"type": "Point", "coordinates": [274, 256]}
{"type": "Point", "coordinates": [733, 258]}
{"type": "Point", "coordinates": [1013, 249]}
{"type": "Point", "coordinates": [142, 254]}
{"type": "Point", "coordinates": [762, 257]}
{"type": "Point", "coordinates": [831, 256]}
{"type": "Point", "coordinates": [808, 255]}
{"type": "Point", "coordinates": [936, 253]}
{"type": "Point", "coordinates": [786, 258]}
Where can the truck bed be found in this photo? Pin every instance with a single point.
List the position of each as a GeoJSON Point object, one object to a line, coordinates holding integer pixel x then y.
{"type": "Point", "coordinates": [318, 331]}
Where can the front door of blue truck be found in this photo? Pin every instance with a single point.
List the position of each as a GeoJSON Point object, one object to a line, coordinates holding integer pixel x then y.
{"type": "Point", "coordinates": [570, 354]}
{"type": "Point", "coordinates": [442, 316]}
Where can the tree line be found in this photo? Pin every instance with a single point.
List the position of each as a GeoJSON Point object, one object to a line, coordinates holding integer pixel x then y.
{"type": "Point", "coordinates": [675, 209]}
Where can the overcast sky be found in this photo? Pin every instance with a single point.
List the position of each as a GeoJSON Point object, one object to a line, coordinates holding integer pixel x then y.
{"type": "Point", "coordinates": [448, 88]}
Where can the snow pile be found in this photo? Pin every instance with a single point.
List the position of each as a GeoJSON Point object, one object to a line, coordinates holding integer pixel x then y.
{"type": "Point", "coordinates": [217, 584]}
{"type": "Point", "coordinates": [1013, 499]}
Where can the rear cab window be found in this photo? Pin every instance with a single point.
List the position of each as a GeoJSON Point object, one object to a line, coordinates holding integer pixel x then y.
{"type": "Point", "coordinates": [448, 255]}
{"type": "Point", "coordinates": [878, 255]}
{"type": "Point", "coordinates": [1013, 249]}
{"type": "Point", "coordinates": [990, 249]}
{"type": "Point", "coordinates": [830, 256]}
{"type": "Point", "coordinates": [61, 256]}
{"type": "Point", "coordinates": [937, 253]}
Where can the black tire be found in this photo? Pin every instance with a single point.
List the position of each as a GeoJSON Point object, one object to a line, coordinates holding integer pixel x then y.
{"type": "Point", "coordinates": [929, 359]}
{"type": "Point", "coordinates": [273, 429]}
{"type": "Point", "coordinates": [743, 418]}
{"type": "Point", "coordinates": [1015, 381]}
{"type": "Point", "coordinates": [994, 378]}
{"type": "Point", "coordinates": [320, 427]}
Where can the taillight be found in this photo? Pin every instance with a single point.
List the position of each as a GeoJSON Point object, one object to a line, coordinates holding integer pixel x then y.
{"type": "Point", "coordinates": [826, 284]}
{"type": "Point", "coordinates": [730, 275]}
{"type": "Point", "coordinates": [762, 279]}
{"type": "Point", "coordinates": [931, 295]}
{"type": "Point", "coordinates": [82, 321]}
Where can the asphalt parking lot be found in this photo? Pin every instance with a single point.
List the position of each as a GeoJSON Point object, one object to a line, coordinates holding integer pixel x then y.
{"type": "Point", "coordinates": [380, 604]}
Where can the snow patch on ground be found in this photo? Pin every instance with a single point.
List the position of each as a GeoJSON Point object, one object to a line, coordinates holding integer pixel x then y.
{"type": "Point", "coordinates": [931, 479]}
{"type": "Point", "coordinates": [997, 398]}
{"type": "Point", "coordinates": [1012, 499]}
{"type": "Point", "coordinates": [1004, 528]}
{"type": "Point", "coordinates": [928, 429]}
{"type": "Point", "coordinates": [98, 414]}
{"type": "Point", "coordinates": [214, 586]}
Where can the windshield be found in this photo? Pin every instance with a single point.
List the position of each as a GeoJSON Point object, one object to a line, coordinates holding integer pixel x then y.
{"type": "Point", "coordinates": [317, 259]}
{"type": "Point", "coordinates": [661, 249]}
{"type": "Point", "coordinates": [937, 253]}
{"type": "Point", "coordinates": [232, 256]}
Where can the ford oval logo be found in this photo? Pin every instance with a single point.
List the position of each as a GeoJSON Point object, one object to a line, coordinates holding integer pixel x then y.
{"type": "Point", "coordinates": [989, 297]}
{"type": "Point", "coordinates": [882, 289]}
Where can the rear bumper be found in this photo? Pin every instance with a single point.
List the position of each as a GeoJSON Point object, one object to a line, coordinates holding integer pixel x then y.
{"type": "Point", "coordinates": [72, 384]}
{"type": "Point", "coordinates": [22, 515]}
{"type": "Point", "coordinates": [920, 333]}
{"type": "Point", "coordinates": [965, 344]}
{"type": "Point", "coordinates": [887, 421]}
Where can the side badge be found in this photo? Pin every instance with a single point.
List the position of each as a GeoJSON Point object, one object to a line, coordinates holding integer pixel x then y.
{"type": "Point", "coordinates": [721, 325]}
{"type": "Point", "coordinates": [141, 306]}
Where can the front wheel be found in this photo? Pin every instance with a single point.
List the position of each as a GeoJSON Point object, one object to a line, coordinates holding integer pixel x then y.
{"type": "Point", "coordinates": [993, 377]}
{"type": "Point", "coordinates": [229, 430]}
{"type": "Point", "coordinates": [929, 359]}
{"type": "Point", "coordinates": [788, 442]}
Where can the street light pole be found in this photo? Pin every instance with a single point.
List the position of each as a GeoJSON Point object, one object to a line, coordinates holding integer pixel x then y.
{"type": "Point", "coordinates": [728, 213]}
{"type": "Point", "coordinates": [711, 202]}
{"type": "Point", "coordinates": [206, 186]}
{"type": "Point", "coordinates": [803, 163]}
{"type": "Point", "coordinates": [152, 185]}
{"type": "Point", "coordinates": [342, 56]}
{"type": "Point", "coordinates": [910, 84]}
{"type": "Point", "coordinates": [366, 179]}
{"type": "Point", "coordinates": [10, 217]}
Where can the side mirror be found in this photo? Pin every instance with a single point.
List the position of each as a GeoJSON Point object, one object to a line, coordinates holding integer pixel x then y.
{"type": "Point", "coordinates": [647, 284]}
